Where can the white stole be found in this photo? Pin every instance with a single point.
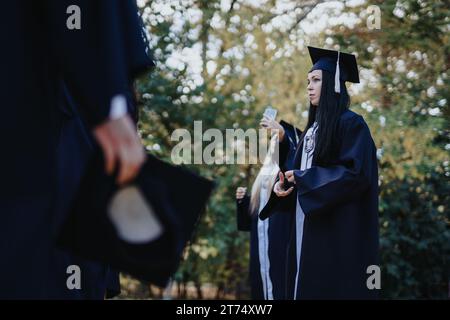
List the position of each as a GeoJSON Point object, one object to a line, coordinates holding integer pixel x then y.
{"type": "Point", "coordinates": [263, 245]}
{"type": "Point", "coordinates": [309, 144]}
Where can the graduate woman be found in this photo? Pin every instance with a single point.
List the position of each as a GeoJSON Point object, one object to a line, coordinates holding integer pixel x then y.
{"type": "Point", "coordinates": [333, 190]}
{"type": "Point", "coordinates": [268, 238]}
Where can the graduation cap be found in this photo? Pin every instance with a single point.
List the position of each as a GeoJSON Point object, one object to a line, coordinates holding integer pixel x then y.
{"type": "Point", "coordinates": [141, 228]}
{"type": "Point", "coordinates": [342, 65]}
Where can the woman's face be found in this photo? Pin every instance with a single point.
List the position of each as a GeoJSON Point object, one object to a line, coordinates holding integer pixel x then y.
{"type": "Point", "coordinates": [314, 86]}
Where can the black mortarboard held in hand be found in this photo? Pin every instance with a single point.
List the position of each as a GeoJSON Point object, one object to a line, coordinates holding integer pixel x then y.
{"type": "Point", "coordinates": [141, 228]}
{"type": "Point", "coordinates": [342, 65]}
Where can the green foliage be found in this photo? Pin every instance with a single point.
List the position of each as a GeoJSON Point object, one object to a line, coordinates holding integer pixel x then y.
{"type": "Point", "coordinates": [406, 107]}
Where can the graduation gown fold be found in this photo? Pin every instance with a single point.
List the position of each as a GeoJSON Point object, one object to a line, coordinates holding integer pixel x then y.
{"type": "Point", "coordinates": [75, 147]}
{"type": "Point", "coordinates": [99, 60]}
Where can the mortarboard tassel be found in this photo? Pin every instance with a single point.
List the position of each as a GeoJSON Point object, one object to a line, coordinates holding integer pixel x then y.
{"type": "Point", "coordinates": [337, 84]}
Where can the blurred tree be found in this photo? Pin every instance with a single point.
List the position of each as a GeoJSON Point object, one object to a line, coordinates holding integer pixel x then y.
{"type": "Point", "coordinates": [222, 62]}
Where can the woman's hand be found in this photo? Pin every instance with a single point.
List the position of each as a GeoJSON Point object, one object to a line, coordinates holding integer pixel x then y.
{"type": "Point", "coordinates": [272, 125]}
{"type": "Point", "coordinates": [240, 192]}
{"type": "Point", "coordinates": [290, 176]}
{"type": "Point", "coordinates": [278, 187]}
{"type": "Point", "coordinates": [121, 147]}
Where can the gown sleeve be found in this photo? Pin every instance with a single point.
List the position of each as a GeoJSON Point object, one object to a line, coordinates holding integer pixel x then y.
{"type": "Point", "coordinates": [288, 145]}
{"type": "Point", "coordinates": [112, 283]}
{"type": "Point", "coordinates": [244, 219]}
{"type": "Point", "coordinates": [285, 147]}
{"type": "Point", "coordinates": [321, 188]}
{"type": "Point", "coordinates": [99, 60]}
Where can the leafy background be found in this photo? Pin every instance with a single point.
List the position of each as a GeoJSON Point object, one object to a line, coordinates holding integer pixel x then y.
{"type": "Point", "coordinates": [223, 62]}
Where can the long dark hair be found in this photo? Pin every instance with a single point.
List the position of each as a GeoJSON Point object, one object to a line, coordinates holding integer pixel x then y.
{"type": "Point", "coordinates": [327, 114]}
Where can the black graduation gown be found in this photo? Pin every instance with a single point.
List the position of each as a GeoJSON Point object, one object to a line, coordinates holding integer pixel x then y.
{"type": "Point", "coordinates": [75, 147]}
{"type": "Point", "coordinates": [278, 230]}
{"type": "Point", "coordinates": [97, 62]}
{"type": "Point", "coordinates": [340, 233]}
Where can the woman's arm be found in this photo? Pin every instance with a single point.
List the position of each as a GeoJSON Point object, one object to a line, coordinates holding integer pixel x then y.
{"type": "Point", "coordinates": [244, 219]}
{"type": "Point", "coordinates": [319, 188]}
